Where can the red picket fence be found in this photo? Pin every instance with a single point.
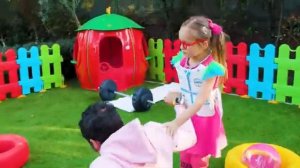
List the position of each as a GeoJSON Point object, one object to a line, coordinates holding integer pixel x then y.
{"type": "Point", "coordinates": [9, 86]}
{"type": "Point", "coordinates": [237, 69]}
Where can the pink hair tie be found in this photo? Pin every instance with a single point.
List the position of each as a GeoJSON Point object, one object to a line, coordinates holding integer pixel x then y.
{"type": "Point", "coordinates": [215, 28]}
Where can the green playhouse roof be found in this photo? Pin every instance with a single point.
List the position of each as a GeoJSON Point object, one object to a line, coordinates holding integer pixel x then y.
{"type": "Point", "coordinates": [108, 22]}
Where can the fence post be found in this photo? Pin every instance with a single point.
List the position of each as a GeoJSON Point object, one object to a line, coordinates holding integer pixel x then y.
{"type": "Point", "coordinates": [288, 75]}
{"type": "Point", "coordinates": [51, 66]}
{"type": "Point", "coordinates": [29, 70]}
{"type": "Point", "coordinates": [237, 69]}
{"type": "Point", "coordinates": [156, 61]}
{"type": "Point", "coordinates": [9, 71]}
{"type": "Point", "coordinates": [170, 49]}
{"type": "Point", "coordinates": [261, 71]}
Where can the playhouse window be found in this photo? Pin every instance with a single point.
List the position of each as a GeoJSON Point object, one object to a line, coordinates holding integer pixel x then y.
{"type": "Point", "coordinates": [111, 51]}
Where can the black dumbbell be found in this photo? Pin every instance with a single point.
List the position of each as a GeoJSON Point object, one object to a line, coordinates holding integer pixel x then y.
{"type": "Point", "coordinates": [142, 98]}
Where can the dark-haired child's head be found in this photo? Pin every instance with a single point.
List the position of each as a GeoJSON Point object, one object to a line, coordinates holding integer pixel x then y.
{"type": "Point", "coordinates": [99, 121]}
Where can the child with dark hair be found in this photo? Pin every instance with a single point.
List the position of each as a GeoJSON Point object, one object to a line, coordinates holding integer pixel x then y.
{"type": "Point", "coordinates": [98, 122]}
{"type": "Point", "coordinates": [133, 144]}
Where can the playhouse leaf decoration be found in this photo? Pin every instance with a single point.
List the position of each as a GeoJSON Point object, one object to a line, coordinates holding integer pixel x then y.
{"type": "Point", "coordinates": [109, 22]}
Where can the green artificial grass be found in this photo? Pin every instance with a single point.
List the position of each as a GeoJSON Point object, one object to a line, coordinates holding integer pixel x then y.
{"type": "Point", "coordinates": [49, 121]}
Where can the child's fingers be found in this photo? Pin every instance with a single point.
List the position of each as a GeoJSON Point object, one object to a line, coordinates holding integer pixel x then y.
{"type": "Point", "coordinates": [168, 100]}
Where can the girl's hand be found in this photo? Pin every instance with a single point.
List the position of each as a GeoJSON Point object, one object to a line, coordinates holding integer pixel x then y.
{"type": "Point", "coordinates": [171, 128]}
{"type": "Point", "coordinates": [169, 99]}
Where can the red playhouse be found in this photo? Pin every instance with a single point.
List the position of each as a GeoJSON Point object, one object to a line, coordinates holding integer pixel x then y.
{"type": "Point", "coordinates": [113, 47]}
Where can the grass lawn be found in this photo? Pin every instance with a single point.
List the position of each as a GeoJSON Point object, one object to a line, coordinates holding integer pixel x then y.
{"type": "Point", "coordinates": [49, 122]}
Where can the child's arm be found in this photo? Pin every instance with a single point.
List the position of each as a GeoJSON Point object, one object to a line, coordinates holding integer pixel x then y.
{"type": "Point", "coordinates": [170, 97]}
{"type": "Point", "coordinates": [193, 109]}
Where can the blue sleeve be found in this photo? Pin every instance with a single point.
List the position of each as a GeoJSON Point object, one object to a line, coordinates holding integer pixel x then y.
{"type": "Point", "coordinates": [177, 58]}
{"type": "Point", "coordinates": [214, 69]}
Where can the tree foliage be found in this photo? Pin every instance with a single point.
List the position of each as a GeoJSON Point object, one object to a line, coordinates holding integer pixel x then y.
{"type": "Point", "coordinates": [35, 22]}
{"type": "Point", "coordinates": [244, 20]}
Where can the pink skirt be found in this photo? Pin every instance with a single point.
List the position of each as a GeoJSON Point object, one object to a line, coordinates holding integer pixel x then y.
{"type": "Point", "coordinates": [210, 133]}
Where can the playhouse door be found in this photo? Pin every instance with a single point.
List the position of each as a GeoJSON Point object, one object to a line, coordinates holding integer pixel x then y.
{"type": "Point", "coordinates": [111, 59]}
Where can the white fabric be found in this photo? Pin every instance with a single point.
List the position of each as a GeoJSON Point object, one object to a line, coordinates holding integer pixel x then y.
{"type": "Point", "coordinates": [160, 92]}
{"type": "Point", "coordinates": [185, 135]}
{"type": "Point", "coordinates": [125, 103]}
{"type": "Point", "coordinates": [190, 81]}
